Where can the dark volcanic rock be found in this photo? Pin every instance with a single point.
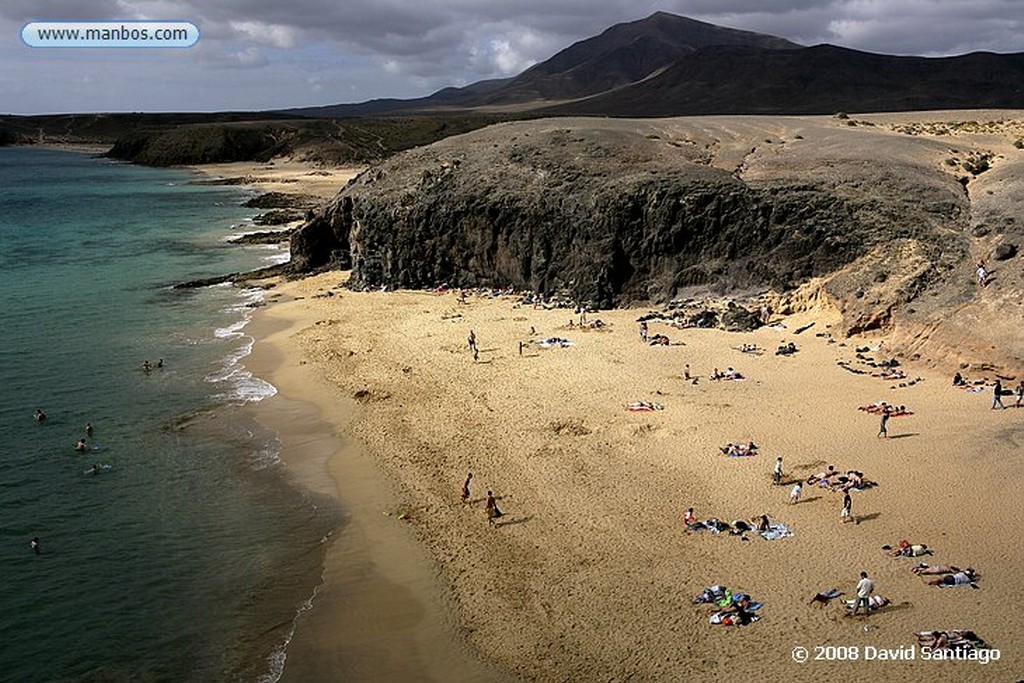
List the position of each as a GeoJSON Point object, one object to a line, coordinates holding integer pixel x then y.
{"type": "Point", "coordinates": [279, 217]}
{"type": "Point", "coordinates": [738, 319]}
{"type": "Point", "coordinates": [269, 237]}
{"type": "Point", "coordinates": [1004, 251]}
{"type": "Point", "coordinates": [609, 212]}
{"type": "Point", "coordinates": [281, 200]}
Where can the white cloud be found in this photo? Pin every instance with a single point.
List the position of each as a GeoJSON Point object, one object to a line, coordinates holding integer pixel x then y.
{"type": "Point", "coordinates": [272, 35]}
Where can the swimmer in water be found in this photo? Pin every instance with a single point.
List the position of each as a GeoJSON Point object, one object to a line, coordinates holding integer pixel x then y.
{"type": "Point", "coordinates": [40, 415]}
{"type": "Point", "coordinates": [35, 546]}
{"type": "Point", "coordinates": [146, 365]}
{"type": "Point", "coordinates": [80, 446]}
{"type": "Point", "coordinates": [95, 468]}
{"type": "Point", "coordinates": [88, 429]}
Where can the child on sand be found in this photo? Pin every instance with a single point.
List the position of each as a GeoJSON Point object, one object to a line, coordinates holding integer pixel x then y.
{"type": "Point", "coordinates": [777, 472]}
{"type": "Point", "coordinates": [794, 495]}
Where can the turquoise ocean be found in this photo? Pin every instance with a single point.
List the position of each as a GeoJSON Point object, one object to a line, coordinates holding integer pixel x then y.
{"type": "Point", "coordinates": [189, 555]}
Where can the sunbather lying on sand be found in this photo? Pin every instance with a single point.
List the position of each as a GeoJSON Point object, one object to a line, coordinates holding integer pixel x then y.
{"type": "Point", "coordinates": [905, 549]}
{"type": "Point", "coordinates": [875, 602]}
{"type": "Point", "coordinates": [823, 477]}
{"type": "Point", "coordinates": [935, 569]}
{"type": "Point", "coordinates": [739, 450]}
{"type": "Point", "coordinates": [644, 407]}
{"type": "Point", "coordinates": [822, 599]}
{"type": "Point", "coordinates": [967, 577]}
{"type": "Point", "coordinates": [786, 349]}
{"type": "Point", "coordinates": [952, 639]}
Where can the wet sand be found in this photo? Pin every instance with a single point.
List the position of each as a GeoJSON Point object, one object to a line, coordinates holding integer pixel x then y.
{"type": "Point", "coordinates": [380, 613]}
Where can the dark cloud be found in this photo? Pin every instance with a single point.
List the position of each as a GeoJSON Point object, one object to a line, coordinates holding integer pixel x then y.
{"type": "Point", "coordinates": [324, 51]}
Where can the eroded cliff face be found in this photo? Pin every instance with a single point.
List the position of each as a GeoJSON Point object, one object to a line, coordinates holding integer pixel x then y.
{"type": "Point", "coordinates": [608, 211]}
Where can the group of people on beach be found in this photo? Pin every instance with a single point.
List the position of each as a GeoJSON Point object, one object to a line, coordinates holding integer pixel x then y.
{"type": "Point", "coordinates": [490, 503]}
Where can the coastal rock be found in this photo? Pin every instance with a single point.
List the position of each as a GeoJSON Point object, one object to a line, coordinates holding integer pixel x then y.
{"type": "Point", "coordinates": [279, 217]}
{"type": "Point", "coordinates": [281, 200]}
{"type": "Point", "coordinates": [613, 213]}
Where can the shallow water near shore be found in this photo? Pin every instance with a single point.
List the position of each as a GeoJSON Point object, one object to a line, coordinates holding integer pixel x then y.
{"type": "Point", "coordinates": [188, 555]}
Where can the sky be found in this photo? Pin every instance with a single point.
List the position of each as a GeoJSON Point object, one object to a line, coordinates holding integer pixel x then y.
{"type": "Point", "coordinates": [272, 54]}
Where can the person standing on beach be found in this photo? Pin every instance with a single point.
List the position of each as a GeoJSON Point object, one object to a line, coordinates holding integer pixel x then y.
{"type": "Point", "coordinates": [643, 331]}
{"type": "Point", "coordinates": [883, 429]}
{"type": "Point", "coordinates": [465, 487]}
{"type": "Point", "coordinates": [471, 340]}
{"type": "Point", "coordinates": [997, 395]}
{"type": "Point", "coordinates": [847, 507]}
{"type": "Point", "coordinates": [777, 472]}
{"type": "Point", "coordinates": [865, 587]}
{"type": "Point", "coordinates": [1020, 394]}
{"type": "Point", "coordinates": [492, 509]}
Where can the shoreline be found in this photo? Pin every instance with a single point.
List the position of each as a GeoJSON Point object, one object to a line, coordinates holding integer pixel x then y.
{"type": "Point", "coordinates": [590, 574]}
{"type": "Point", "coordinates": [378, 613]}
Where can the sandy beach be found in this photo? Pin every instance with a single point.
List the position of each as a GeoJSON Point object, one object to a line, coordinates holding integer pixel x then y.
{"type": "Point", "coordinates": [590, 574]}
{"type": "Point", "coordinates": [285, 176]}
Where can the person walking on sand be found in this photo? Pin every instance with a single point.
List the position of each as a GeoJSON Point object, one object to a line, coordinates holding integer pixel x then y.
{"type": "Point", "coordinates": [794, 495]}
{"type": "Point", "coordinates": [997, 395]}
{"type": "Point", "coordinates": [883, 428]}
{"type": "Point", "coordinates": [491, 506]}
{"type": "Point", "coordinates": [1020, 394]}
{"type": "Point", "coordinates": [777, 472]}
{"type": "Point", "coordinates": [865, 587]}
{"type": "Point", "coordinates": [471, 340]}
{"type": "Point", "coordinates": [847, 507]}
{"type": "Point", "coordinates": [465, 487]}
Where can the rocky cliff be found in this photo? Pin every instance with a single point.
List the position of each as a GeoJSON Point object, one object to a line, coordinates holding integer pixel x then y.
{"type": "Point", "coordinates": [884, 220]}
{"type": "Point", "coordinates": [616, 212]}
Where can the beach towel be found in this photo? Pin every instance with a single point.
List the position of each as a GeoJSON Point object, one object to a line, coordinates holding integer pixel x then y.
{"type": "Point", "coordinates": [776, 531]}
{"type": "Point", "coordinates": [974, 390]}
